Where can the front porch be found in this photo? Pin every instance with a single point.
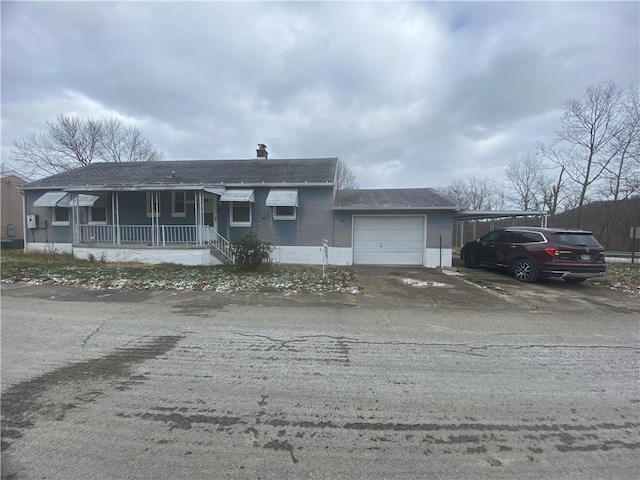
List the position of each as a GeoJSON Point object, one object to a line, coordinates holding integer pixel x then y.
{"type": "Point", "coordinates": [119, 219]}
{"type": "Point", "coordinates": [153, 236]}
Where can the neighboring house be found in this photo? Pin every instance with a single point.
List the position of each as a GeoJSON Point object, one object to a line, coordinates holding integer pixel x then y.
{"type": "Point", "coordinates": [188, 211]}
{"type": "Point", "coordinates": [12, 214]}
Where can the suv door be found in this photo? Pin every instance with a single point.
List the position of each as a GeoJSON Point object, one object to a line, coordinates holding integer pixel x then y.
{"type": "Point", "coordinates": [506, 246]}
{"type": "Point", "coordinates": [486, 250]}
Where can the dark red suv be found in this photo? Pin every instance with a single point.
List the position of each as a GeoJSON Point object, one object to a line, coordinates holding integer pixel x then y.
{"type": "Point", "coordinates": [532, 253]}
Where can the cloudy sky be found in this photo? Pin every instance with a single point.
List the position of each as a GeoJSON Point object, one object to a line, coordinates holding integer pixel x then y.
{"type": "Point", "coordinates": [407, 94]}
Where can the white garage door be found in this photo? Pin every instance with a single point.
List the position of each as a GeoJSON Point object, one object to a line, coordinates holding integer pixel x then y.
{"type": "Point", "coordinates": [392, 240]}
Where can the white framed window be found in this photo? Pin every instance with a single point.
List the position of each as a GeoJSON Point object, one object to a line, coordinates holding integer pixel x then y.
{"type": "Point", "coordinates": [60, 216]}
{"type": "Point", "coordinates": [178, 204]}
{"type": "Point", "coordinates": [283, 203]}
{"type": "Point", "coordinates": [240, 213]}
{"type": "Point", "coordinates": [284, 212]}
{"type": "Point", "coordinates": [98, 215]}
{"type": "Point", "coordinates": [153, 200]}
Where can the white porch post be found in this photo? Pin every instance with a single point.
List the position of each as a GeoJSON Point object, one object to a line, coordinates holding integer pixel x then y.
{"type": "Point", "coordinates": [155, 217]}
{"type": "Point", "coordinates": [196, 216]}
{"type": "Point", "coordinates": [75, 218]}
{"type": "Point", "coordinates": [118, 237]}
{"type": "Point", "coordinates": [114, 228]}
{"type": "Point", "coordinates": [201, 218]}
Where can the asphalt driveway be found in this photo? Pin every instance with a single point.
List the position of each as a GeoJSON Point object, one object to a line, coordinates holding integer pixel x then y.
{"type": "Point", "coordinates": [459, 287]}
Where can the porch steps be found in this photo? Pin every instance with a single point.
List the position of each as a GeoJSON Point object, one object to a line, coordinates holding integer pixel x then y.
{"type": "Point", "coordinates": [216, 252]}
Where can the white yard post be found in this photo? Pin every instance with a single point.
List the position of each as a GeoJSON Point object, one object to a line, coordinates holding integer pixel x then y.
{"type": "Point", "coordinates": [325, 254]}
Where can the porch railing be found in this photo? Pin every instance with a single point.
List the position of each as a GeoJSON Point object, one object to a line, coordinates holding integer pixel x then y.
{"type": "Point", "coordinates": [140, 234]}
{"type": "Point", "coordinates": [160, 235]}
{"type": "Point", "coordinates": [149, 234]}
{"type": "Point", "coordinates": [219, 243]}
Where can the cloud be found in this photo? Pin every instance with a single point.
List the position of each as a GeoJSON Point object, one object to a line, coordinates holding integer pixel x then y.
{"type": "Point", "coordinates": [408, 94]}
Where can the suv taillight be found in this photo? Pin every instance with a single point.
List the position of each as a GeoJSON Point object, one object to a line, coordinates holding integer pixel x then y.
{"type": "Point", "coordinates": [551, 251]}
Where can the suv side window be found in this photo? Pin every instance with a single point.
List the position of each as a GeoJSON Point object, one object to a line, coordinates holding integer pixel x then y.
{"type": "Point", "coordinates": [531, 237]}
{"type": "Point", "coordinates": [490, 237]}
{"type": "Point", "coordinates": [510, 237]}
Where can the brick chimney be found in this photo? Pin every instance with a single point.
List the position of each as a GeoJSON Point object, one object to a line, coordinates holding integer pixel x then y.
{"type": "Point", "coordinates": [262, 151]}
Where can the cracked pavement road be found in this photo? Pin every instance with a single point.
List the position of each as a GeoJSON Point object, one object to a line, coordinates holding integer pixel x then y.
{"type": "Point", "coordinates": [181, 385]}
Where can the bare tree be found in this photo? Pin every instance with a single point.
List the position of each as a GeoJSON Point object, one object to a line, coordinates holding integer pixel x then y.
{"type": "Point", "coordinates": [345, 177]}
{"type": "Point", "coordinates": [621, 178]}
{"type": "Point", "coordinates": [121, 143]}
{"type": "Point", "coordinates": [587, 133]}
{"type": "Point", "coordinates": [525, 174]}
{"type": "Point", "coordinates": [551, 194]}
{"type": "Point", "coordinates": [71, 142]}
{"type": "Point", "coordinates": [475, 194]}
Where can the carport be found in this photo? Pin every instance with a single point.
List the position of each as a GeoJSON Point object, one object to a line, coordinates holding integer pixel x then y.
{"type": "Point", "coordinates": [475, 217]}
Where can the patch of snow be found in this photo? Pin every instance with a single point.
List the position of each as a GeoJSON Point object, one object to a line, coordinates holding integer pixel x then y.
{"type": "Point", "coordinates": [423, 283]}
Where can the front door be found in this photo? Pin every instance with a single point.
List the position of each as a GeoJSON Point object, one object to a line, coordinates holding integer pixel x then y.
{"type": "Point", "coordinates": [211, 210]}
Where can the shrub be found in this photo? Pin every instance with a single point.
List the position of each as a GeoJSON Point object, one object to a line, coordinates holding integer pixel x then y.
{"type": "Point", "coordinates": [250, 252]}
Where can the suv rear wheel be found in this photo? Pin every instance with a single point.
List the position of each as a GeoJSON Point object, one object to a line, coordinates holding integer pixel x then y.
{"type": "Point", "coordinates": [524, 270]}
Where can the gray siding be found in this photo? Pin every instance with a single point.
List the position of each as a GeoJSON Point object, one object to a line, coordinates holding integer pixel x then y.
{"type": "Point", "coordinates": [439, 223]}
{"type": "Point", "coordinates": [342, 223]}
{"type": "Point", "coordinates": [313, 223]}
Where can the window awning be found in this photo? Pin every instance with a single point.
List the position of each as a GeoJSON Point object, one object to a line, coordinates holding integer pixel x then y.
{"type": "Point", "coordinates": [216, 190]}
{"type": "Point", "coordinates": [245, 195]}
{"type": "Point", "coordinates": [282, 198]}
{"type": "Point", "coordinates": [64, 199]}
{"type": "Point", "coordinates": [83, 200]}
{"type": "Point", "coordinates": [49, 199]}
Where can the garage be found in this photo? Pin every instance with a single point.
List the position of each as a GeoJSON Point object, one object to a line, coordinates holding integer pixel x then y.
{"type": "Point", "coordinates": [388, 240]}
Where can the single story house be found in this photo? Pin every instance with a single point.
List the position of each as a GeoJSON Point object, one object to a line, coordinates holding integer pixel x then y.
{"type": "Point", "coordinates": [188, 212]}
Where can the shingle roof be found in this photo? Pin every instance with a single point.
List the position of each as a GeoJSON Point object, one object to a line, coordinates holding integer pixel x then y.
{"type": "Point", "coordinates": [392, 199]}
{"type": "Point", "coordinates": [194, 172]}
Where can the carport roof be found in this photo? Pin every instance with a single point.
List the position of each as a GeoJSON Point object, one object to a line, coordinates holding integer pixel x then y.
{"type": "Point", "coordinates": [393, 199]}
{"type": "Point", "coordinates": [495, 214]}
